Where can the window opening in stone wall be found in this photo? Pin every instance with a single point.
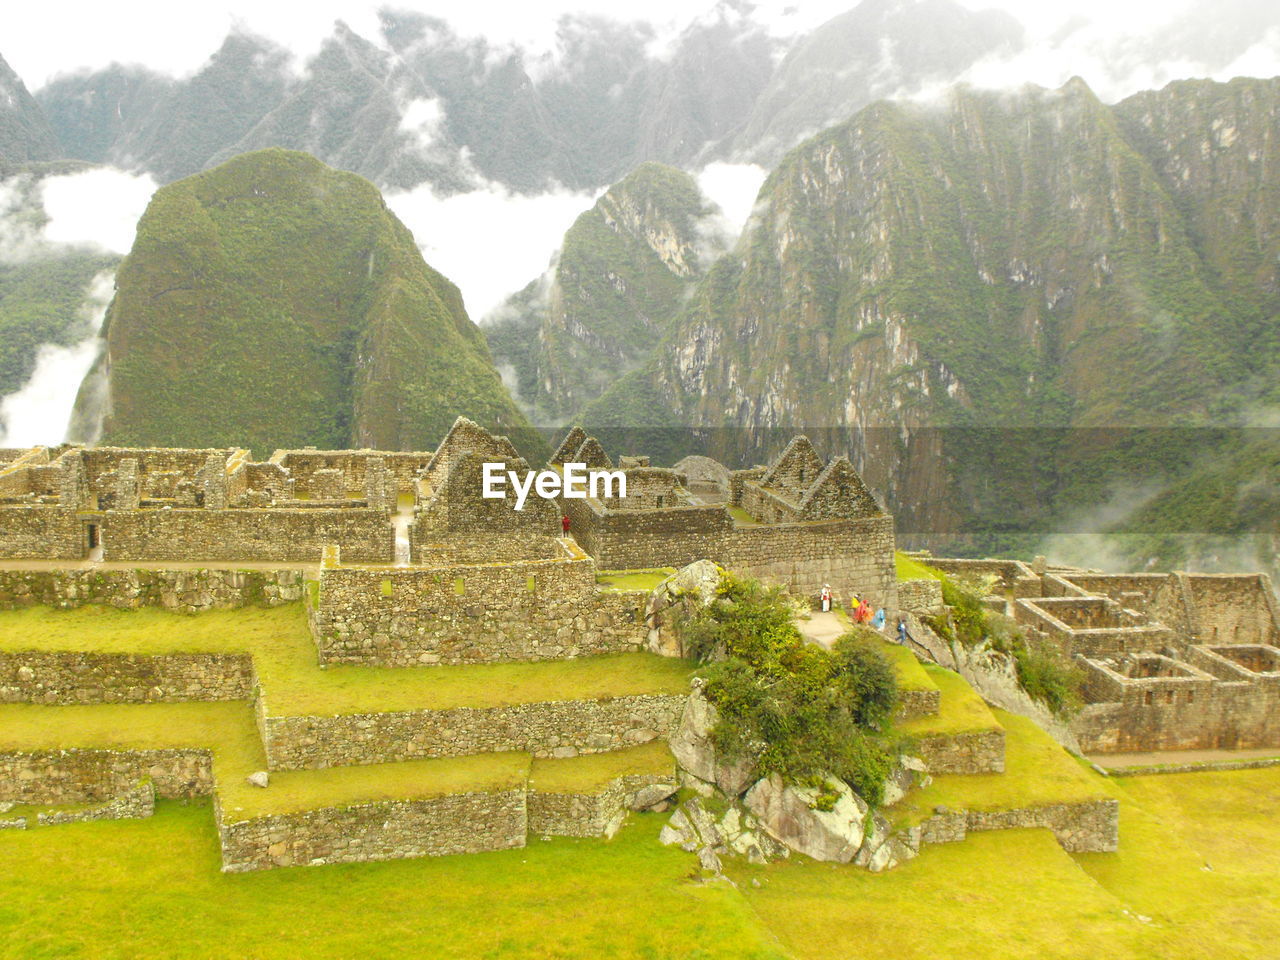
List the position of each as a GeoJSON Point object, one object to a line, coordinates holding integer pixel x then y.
{"type": "Point", "coordinates": [1149, 697]}
{"type": "Point", "coordinates": [531, 585]}
{"type": "Point", "coordinates": [94, 540]}
{"type": "Point", "coordinates": [459, 587]}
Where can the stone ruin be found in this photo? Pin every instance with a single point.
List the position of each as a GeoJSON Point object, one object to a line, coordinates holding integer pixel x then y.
{"type": "Point", "coordinates": [400, 563]}
{"type": "Point", "coordinates": [1176, 661]}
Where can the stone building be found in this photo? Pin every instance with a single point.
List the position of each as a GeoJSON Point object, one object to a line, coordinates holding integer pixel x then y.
{"type": "Point", "coordinates": [1176, 661]}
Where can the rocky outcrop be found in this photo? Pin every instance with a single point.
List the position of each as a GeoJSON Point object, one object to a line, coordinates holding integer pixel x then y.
{"type": "Point", "coordinates": [693, 828]}
{"type": "Point", "coordinates": [826, 822]}
{"type": "Point", "coordinates": [694, 585]}
{"type": "Point", "coordinates": [694, 751]}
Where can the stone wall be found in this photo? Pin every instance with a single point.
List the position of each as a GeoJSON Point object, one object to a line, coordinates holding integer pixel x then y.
{"type": "Point", "coordinates": [851, 555]}
{"type": "Point", "coordinates": [135, 804]}
{"type": "Point", "coordinates": [1091, 826]}
{"type": "Point", "coordinates": [546, 729]}
{"type": "Point", "coordinates": [913, 704]}
{"type": "Point", "coordinates": [919, 594]}
{"type": "Point", "coordinates": [1209, 703]}
{"type": "Point", "coordinates": [41, 532]}
{"type": "Point", "coordinates": [183, 590]}
{"type": "Point", "coordinates": [1220, 608]}
{"type": "Point", "coordinates": [274, 535]}
{"type": "Point", "coordinates": [95, 776]}
{"type": "Point", "coordinates": [598, 814]}
{"type": "Point", "coordinates": [69, 678]}
{"type": "Point", "coordinates": [980, 751]}
{"type": "Point", "coordinates": [527, 610]}
{"type": "Point", "coordinates": [384, 830]}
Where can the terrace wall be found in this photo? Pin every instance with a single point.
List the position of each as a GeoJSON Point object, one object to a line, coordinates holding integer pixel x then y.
{"type": "Point", "coordinates": [550, 728]}
{"type": "Point", "coordinates": [69, 678]}
{"type": "Point", "coordinates": [598, 814]}
{"type": "Point", "coordinates": [183, 590]}
{"type": "Point", "coordinates": [95, 776]}
{"type": "Point", "coordinates": [384, 830]}
{"type": "Point", "coordinates": [526, 610]}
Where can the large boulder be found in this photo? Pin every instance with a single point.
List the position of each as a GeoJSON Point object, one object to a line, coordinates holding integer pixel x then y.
{"type": "Point", "coordinates": [694, 585]}
{"type": "Point", "coordinates": [796, 816]}
{"type": "Point", "coordinates": [692, 747]}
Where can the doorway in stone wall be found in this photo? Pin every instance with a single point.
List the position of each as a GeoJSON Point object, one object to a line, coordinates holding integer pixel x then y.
{"type": "Point", "coordinates": [93, 538]}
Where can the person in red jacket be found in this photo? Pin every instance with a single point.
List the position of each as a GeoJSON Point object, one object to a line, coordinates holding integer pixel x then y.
{"type": "Point", "coordinates": [564, 524]}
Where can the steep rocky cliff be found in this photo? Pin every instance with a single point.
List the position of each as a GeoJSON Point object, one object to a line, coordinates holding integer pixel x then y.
{"type": "Point", "coordinates": [956, 292]}
{"type": "Point", "coordinates": [25, 135]}
{"type": "Point", "coordinates": [273, 301]}
{"type": "Point", "coordinates": [622, 275]}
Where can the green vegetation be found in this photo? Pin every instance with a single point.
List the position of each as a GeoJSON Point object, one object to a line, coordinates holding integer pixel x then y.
{"type": "Point", "coordinates": [40, 302]}
{"type": "Point", "coordinates": [626, 898]}
{"type": "Point", "coordinates": [909, 568]}
{"type": "Point", "coordinates": [1037, 772]}
{"type": "Point", "coordinates": [645, 580]}
{"type": "Point", "coordinates": [594, 771]}
{"type": "Point", "coordinates": [285, 661]}
{"type": "Point", "coordinates": [1043, 670]}
{"type": "Point", "coordinates": [305, 313]}
{"type": "Point", "coordinates": [960, 709]}
{"type": "Point", "coordinates": [1194, 877]}
{"type": "Point", "coordinates": [797, 709]}
{"type": "Point", "coordinates": [621, 276]}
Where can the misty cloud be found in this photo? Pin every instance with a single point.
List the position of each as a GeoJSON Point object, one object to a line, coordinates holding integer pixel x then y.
{"type": "Point", "coordinates": [489, 241]}
{"type": "Point", "coordinates": [40, 411]}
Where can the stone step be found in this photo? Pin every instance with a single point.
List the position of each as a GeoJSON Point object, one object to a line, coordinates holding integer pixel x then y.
{"type": "Point", "coordinates": [338, 813]}
{"type": "Point", "coordinates": [1042, 786]}
{"type": "Point", "coordinates": [963, 736]}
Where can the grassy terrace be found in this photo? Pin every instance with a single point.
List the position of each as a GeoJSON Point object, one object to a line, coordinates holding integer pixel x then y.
{"type": "Point", "coordinates": [593, 772]}
{"type": "Point", "coordinates": [645, 580]}
{"type": "Point", "coordinates": [909, 568]}
{"type": "Point", "coordinates": [960, 709]}
{"type": "Point", "coordinates": [1194, 878]}
{"type": "Point", "coordinates": [285, 659]}
{"type": "Point", "coordinates": [1037, 772]}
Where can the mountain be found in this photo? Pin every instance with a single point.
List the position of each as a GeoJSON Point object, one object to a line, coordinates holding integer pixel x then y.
{"type": "Point", "coordinates": [624, 271]}
{"type": "Point", "coordinates": [275, 302]}
{"type": "Point", "coordinates": [25, 135]}
{"type": "Point", "coordinates": [1002, 306]}
{"type": "Point", "coordinates": [878, 49]}
{"type": "Point", "coordinates": [419, 103]}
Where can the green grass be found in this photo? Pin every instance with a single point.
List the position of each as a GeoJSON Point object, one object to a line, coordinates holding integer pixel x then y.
{"type": "Point", "coordinates": [285, 660]}
{"type": "Point", "coordinates": [741, 515]}
{"type": "Point", "coordinates": [292, 790]}
{"type": "Point", "coordinates": [960, 708]}
{"type": "Point", "coordinates": [120, 890]}
{"type": "Point", "coordinates": [1037, 772]}
{"type": "Point", "coordinates": [646, 580]}
{"type": "Point", "coordinates": [911, 673]}
{"type": "Point", "coordinates": [594, 772]}
{"type": "Point", "coordinates": [909, 568]}
{"type": "Point", "coordinates": [1008, 895]}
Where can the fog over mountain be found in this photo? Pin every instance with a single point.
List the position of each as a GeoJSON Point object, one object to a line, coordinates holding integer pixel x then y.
{"type": "Point", "coordinates": [491, 128]}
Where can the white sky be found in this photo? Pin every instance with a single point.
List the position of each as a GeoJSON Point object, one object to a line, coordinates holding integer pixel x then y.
{"type": "Point", "coordinates": [41, 40]}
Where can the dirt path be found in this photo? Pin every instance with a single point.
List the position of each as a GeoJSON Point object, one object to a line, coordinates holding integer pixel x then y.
{"type": "Point", "coordinates": [822, 628]}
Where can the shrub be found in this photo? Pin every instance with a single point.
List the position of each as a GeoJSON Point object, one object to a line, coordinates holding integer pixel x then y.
{"type": "Point", "coordinates": [1048, 677]}
{"type": "Point", "coordinates": [800, 710]}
